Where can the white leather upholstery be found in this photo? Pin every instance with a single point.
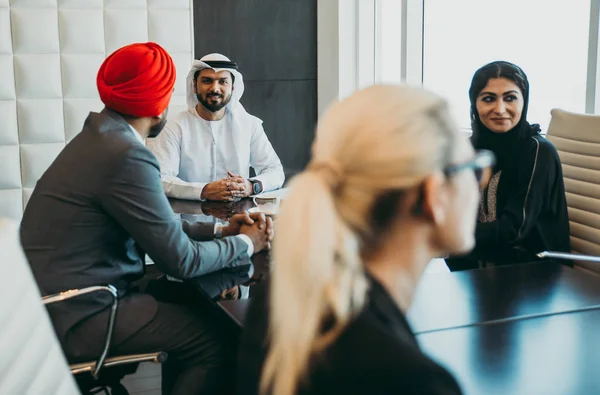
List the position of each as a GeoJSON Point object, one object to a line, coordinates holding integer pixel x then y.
{"type": "Point", "coordinates": [31, 360]}
{"type": "Point", "coordinates": [577, 139]}
{"type": "Point", "coordinates": [50, 52]}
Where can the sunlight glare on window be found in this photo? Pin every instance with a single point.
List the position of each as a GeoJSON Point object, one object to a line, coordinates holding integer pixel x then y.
{"type": "Point", "coordinates": [547, 38]}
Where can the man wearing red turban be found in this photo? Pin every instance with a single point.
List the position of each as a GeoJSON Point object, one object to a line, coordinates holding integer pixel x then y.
{"type": "Point", "coordinates": [100, 207]}
{"type": "Point", "coordinates": [139, 89]}
{"type": "Point", "coordinates": [142, 88]}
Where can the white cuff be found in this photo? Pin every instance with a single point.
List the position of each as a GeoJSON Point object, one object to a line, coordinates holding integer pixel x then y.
{"type": "Point", "coordinates": [178, 189]}
{"type": "Point", "coordinates": [200, 194]}
{"type": "Point", "coordinates": [244, 292]}
{"type": "Point", "coordinates": [248, 242]}
{"type": "Point", "coordinates": [218, 230]}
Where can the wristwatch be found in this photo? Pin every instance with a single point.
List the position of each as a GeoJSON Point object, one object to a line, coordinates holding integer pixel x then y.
{"type": "Point", "coordinates": [256, 187]}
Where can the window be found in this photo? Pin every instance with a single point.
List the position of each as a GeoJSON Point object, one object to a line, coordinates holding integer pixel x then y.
{"type": "Point", "coordinates": [388, 43]}
{"type": "Point", "coordinates": [547, 38]}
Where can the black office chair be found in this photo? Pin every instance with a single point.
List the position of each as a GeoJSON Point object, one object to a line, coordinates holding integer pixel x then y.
{"type": "Point", "coordinates": [98, 376]}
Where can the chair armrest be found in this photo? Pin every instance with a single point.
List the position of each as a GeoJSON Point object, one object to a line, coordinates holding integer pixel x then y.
{"type": "Point", "coordinates": [157, 357]}
{"type": "Point", "coordinates": [568, 256]}
{"type": "Point", "coordinates": [72, 293]}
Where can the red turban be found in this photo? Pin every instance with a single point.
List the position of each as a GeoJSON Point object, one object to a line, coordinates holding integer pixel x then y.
{"type": "Point", "coordinates": [137, 80]}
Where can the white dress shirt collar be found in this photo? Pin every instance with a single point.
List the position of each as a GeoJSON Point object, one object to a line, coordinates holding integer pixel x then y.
{"type": "Point", "coordinates": [137, 135]}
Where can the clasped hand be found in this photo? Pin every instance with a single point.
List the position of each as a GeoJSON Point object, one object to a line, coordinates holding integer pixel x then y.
{"type": "Point", "coordinates": [228, 189]}
{"type": "Point", "coordinates": [257, 226]}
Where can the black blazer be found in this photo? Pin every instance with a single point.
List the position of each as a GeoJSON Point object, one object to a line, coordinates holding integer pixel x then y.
{"type": "Point", "coordinates": [93, 212]}
{"type": "Point", "coordinates": [376, 354]}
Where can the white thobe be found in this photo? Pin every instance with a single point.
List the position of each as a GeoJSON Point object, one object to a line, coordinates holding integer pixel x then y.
{"type": "Point", "coordinates": [193, 152]}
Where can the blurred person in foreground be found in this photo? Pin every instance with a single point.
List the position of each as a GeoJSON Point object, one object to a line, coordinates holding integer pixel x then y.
{"type": "Point", "coordinates": [391, 185]}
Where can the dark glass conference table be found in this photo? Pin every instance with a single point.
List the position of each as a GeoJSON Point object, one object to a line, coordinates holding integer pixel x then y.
{"type": "Point", "coordinates": [555, 354]}
{"type": "Point", "coordinates": [517, 329]}
{"type": "Point", "coordinates": [229, 284]}
{"type": "Point", "coordinates": [496, 294]}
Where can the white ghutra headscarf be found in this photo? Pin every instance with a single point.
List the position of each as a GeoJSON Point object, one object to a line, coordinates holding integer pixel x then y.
{"type": "Point", "coordinates": [242, 121]}
{"type": "Point", "coordinates": [218, 63]}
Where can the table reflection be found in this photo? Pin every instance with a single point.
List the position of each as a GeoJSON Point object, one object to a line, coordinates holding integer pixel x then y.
{"type": "Point", "coordinates": [208, 211]}
{"type": "Point", "coordinates": [227, 283]}
{"type": "Point", "coordinates": [231, 283]}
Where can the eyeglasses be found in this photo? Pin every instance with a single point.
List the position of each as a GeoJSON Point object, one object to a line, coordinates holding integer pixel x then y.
{"type": "Point", "coordinates": [481, 164]}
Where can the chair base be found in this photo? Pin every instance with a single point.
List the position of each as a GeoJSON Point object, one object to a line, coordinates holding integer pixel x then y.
{"type": "Point", "coordinates": [109, 378]}
{"type": "Point", "coordinates": [112, 372]}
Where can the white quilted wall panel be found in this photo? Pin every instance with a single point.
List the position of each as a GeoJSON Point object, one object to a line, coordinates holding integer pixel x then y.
{"type": "Point", "coordinates": [34, 31]}
{"type": "Point", "coordinates": [33, 3]}
{"type": "Point", "coordinates": [123, 27]}
{"type": "Point", "coordinates": [50, 52]}
{"type": "Point", "coordinates": [8, 114]}
{"type": "Point", "coordinates": [7, 82]}
{"type": "Point", "coordinates": [181, 4]}
{"type": "Point", "coordinates": [10, 177]}
{"type": "Point", "coordinates": [75, 112]}
{"type": "Point", "coordinates": [80, 4]}
{"type": "Point", "coordinates": [126, 3]}
{"type": "Point", "coordinates": [72, 22]}
{"type": "Point", "coordinates": [34, 129]}
{"type": "Point", "coordinates": [5, 34]}
{"type": "Point", "coordinates": [37, 76]}
{"type": "Point", "coordinates": [78, 74]}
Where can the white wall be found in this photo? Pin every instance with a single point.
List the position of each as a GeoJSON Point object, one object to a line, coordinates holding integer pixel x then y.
{"type": "Point", "coordinates": [50, 52]}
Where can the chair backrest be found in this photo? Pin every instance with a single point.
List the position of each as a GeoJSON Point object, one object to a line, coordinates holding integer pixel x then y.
{"type": "Point", "coordinates": [31, 359]}
{"type": "Point", "coordinates": [577, 139]}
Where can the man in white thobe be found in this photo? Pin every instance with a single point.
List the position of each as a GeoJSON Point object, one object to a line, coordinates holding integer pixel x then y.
{"type": "Point", "coordinates": [205, 152]}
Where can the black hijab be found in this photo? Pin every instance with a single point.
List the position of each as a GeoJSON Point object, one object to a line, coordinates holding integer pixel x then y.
{"type": "Point", "coordinates": [504, 145]}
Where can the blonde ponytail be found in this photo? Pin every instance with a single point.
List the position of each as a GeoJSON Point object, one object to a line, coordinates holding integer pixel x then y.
{"type": "Point", "coordinates": [317, 274]}
{"type": "Point", "coordinates": [381, 139]}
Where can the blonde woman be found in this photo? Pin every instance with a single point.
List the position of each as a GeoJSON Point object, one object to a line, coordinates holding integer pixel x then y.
{"type": "Point", "coordinates": [391, 185]}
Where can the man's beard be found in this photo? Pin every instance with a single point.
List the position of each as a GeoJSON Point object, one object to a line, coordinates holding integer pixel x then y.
{"type": "Point", "coordinates": [210, 105]}
{"type": "Point", "coordinates": [156, 129]}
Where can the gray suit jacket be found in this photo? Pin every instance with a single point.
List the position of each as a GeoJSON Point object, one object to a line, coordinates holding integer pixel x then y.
{"type": "Point", "coordinates": [93, 212]}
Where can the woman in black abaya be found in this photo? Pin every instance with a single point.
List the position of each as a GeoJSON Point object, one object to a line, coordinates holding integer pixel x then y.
{"type": "Point", "coordinates": [523, 209]}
